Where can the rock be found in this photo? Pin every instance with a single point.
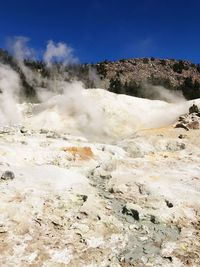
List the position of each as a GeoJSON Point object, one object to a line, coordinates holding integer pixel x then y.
{"type": "Point", "coordinates": [100, 172]}
{"type": "Point", "coordinates": [182, 136]}
{"type": "Point", "coordinates": [181, 125]}
{"type": "Point", "coordinates": [7, 175]}
{"type": "Point", "coordinates": [121, 189]}
{"type": "Point", "coordinates": [194, 109]}
{"type": "Point", "coordinates": [194, 125]}
{"type": "Point", "coordinates": [128, 210]}
{"type": "Point", "coordinates": [84, 198]}
{"type": "Point", "coordinates": [111, 190]}
{"type": "Point", "coordinates": [190, 121]}
{"type": "Point", "coordinates": [23, 130]}
{"type": "Point", "coordinates": [169, 204]}
{"type": "Point", "coordinates": [152, 218]}
{"type": "Point", "coordinates": [182, 119]}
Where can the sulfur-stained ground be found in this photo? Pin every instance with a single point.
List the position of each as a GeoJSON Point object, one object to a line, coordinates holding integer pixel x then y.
{"type": "Point", "coordinates": [134, 202]}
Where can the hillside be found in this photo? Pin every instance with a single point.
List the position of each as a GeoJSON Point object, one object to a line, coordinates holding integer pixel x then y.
{"type": "Point", "coordinates": [135, 77]}
{"type": "Point", "coordinates": [129, 75]}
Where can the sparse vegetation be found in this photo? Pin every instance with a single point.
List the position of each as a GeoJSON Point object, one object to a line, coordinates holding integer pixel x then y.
{"type": "Point", "coordinates": [190, 88]}
{"type": "Point", "coordinates": [179, 67]}
{"type": "Point", "coordinates": [101, 69]}
{"type": "Point", "coordinates": [115, 86]}
{"type": "Point", "coordinates": [145, 60]}
{"type": "Point", "coordinates": [163, 62]}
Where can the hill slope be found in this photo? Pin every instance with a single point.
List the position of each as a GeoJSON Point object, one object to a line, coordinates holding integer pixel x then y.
{"type": "Point", "coordinates": [135, 77]}
{"type": "Point", "coordinates": [128, 76]}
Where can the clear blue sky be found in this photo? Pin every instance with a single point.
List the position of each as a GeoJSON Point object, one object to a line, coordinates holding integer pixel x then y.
{"type": "Point", "coordinates": [107, 29]}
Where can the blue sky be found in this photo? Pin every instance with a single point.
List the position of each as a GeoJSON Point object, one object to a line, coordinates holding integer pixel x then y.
{"type": "Point", "coordinates": [107, 29]}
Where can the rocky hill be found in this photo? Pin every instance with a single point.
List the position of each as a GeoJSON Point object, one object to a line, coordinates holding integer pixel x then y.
{"type": "Point", "coordinates": [135, 77]}
{"type": "Point", "coordinates": [129, 75]}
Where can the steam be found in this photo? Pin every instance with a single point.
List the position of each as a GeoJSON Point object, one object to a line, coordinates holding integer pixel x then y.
{"type": "Point", "coordinates": [161, 93]}
{"type": "Point", "coordinates": [93, 76]}
{"type": "Point", "coordinates": [18, 47]}
{"type": "Point", "coordinates": [9, 96]}
{"type": "Point", "coordinates": [60, 52]}
{"type": "Point", "coordinates": [63, 105]}
{"type": "Point", "coordinates": [70, 111]}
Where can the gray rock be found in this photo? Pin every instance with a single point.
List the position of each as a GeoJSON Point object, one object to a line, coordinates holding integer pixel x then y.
{"type": "Point", "coordinates": [181, 125]}
{"type": "Point", "coordinates": [190, 121]}
{"type": "Point", "coordinates": [182, 136]}
{"type": "Point", "coordinates": [169, 204]}
{"type": "Point", "coordinates": [194, 125]}
{"type": "Point", "coordinates": [194, 109]}
{"type": "Point", "coordinates": [23, 130]}
{"type": "Point", "coordinates": [8, 175]}
{"type": "Point", "coordinates": [131, 212]}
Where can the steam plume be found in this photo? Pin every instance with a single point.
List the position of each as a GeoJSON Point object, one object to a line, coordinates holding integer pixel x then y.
{"type": "Point", "coordinates": [9, 96]}
{"type": "Point", "coordinates": [161, 93]}
{"type": "Point", "coordinates": [18, 47]}
{"type": "Point", "coordinates": [60, 51]}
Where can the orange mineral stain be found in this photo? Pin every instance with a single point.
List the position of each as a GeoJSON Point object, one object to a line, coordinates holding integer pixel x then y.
{"type": "Point", "coordinates": [82, 153]}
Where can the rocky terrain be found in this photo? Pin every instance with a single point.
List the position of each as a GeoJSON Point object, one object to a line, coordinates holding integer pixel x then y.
{"type": "Point", "coordinates": [125, 193]}
{"type": "Point", "coordinates": [131, 74]}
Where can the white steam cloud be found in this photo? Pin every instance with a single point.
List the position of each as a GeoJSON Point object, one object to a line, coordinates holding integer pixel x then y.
{"type": "Point", "coordinates": [71, 111]}
{"type": "Point", "coordinates": [60, 51]}
{"type": "Point", "coordinates": [9, 96]}
{"type": "Point", "coordinates": [161, 93]}
{"type": "Point", "coordinates": [19, 48]}
{"type": "Point", "coordinates": [63, 105]}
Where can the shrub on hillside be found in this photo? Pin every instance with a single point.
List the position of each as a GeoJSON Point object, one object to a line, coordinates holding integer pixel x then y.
{"type": "Point", "coordinates": [163, 62]}
{"type": "Point", "coordinates": [179, 67]}
{"type": "Point", "coordinates": [145, 60]}
{"type": "Point", "coordinates": [190, 88]}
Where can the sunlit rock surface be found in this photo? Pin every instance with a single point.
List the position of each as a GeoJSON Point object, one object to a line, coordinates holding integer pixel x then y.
{"type": "Point", "coordinates": [126, 195]}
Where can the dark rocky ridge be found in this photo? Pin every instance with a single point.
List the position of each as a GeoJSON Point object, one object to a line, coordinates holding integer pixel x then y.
{"type": "Point", "coordinates": [126, 76]}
